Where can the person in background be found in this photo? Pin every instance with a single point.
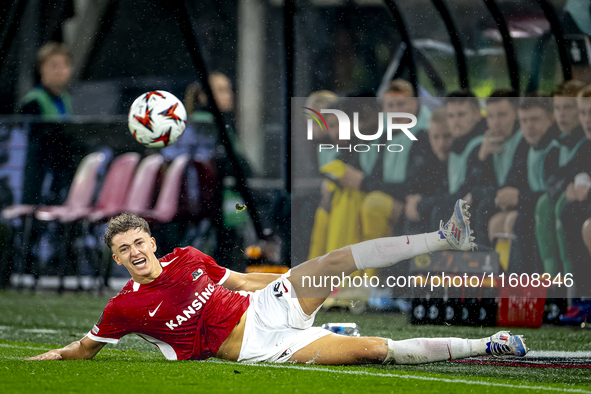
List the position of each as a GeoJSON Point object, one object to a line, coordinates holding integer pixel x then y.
{"type": "Point", "coordinates": [516, 201]}
{"type": "Point", "coordinates": [202, 140]}
{"type": "Point", "coordinates": [52, 154]}
{"type": "Point", "coordinates": [502, 155]}
{"type": "Point", "coordinates": [433, 182]}
{"type": "Point", "coordinates": [391, 173]}
{"type": "Point", "coordinates": [578, 201]}
{"type": "Point", "coordinates": [572, 157]}
{"type": "Point", "coordinates": [337, 218]}
{"type": "Point", "coordinates": [49, 151]}
{"type": "Point", "coordinates": [467, 127]}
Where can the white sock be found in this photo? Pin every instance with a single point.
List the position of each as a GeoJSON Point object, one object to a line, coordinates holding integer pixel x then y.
{"type": "Point", "coordinates": [427, 350]}
{"type": "Point", "coordinates": [383, 252]}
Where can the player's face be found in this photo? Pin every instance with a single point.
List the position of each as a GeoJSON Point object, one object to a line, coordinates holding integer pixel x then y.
{"type": "Point", "coordinates": [566, 113]}
{"type": "Point", "coordinates": [55, 72]}
{"type": "Point", "coordinates": [135, 250]}
{"type": "Point", "coordinates": [584, 105]}
{"type": "Point", "coordinates": [535, 122]}
{"type": "Point", "coordinates": [461, 118]}
{"type": "Point", "coordinates": [440, 140]}
{"type": "Point", "coordinates": [222, 91]}
{"type": "Point", "coordinates": [500, 119]}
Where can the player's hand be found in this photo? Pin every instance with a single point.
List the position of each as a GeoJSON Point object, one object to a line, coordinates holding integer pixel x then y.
{"type": "Point", "coordinates": [411, 208]}
{"type": "Point", "coordinates": [489, 146]}
{"type": "Point", "coordinates": [351, 179]}
{"type": "Point", "coordinates": [570, 193]}
{"type": "Point", "coordinates": [50, 355]}
{"type": "Point", "coordinates": [507, 198]}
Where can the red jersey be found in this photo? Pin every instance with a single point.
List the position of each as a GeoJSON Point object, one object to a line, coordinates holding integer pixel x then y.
{"type": "Point", "coordinates": [185, 311]}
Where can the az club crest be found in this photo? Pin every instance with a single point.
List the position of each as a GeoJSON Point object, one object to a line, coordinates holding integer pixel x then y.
{"type": "Point", "coordinates": [197, 274]}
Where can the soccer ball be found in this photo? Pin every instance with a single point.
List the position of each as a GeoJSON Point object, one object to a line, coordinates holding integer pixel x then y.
{"type": "Point", "coordinates": [157, 119]}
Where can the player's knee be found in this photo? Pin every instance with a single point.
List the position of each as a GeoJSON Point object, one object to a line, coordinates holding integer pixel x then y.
{"type": "Point", "coordinates": [374, 350]}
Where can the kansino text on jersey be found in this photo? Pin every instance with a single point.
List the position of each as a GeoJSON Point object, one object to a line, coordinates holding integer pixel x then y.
{"type": "Point", "coordinates": [361, 147]}
{"type": "Point", "coordinates": [198, 303]}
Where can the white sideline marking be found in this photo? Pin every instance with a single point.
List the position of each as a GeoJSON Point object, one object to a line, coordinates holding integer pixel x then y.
{"type": "Point", "coordinates": [558, 354]}
{"type": "Point", "coordinates": [24, 347]}
{"type": "Point", "coordinates": [40, 330]}
{"type": "Point", "coordinates": [388, 375]}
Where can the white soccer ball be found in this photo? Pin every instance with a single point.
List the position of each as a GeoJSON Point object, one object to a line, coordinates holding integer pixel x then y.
{"type": "Point", "coordinates": [157, 119]}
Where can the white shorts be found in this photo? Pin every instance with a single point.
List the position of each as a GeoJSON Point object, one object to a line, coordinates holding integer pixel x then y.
{"type": "Point", "coordinates": [276, 326]}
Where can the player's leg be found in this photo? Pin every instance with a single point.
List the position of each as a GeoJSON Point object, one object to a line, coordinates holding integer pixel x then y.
{"type": "Point", "coordinates": [337, 349]}
{"type": "Point", "coordinates": [314, 280]}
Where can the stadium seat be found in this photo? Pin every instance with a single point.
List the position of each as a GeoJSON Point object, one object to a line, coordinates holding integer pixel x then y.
{"type": "Point", "coordinates": [79, 202]}
{"type": "Point", "coordinates": [175, 201]}
{"type": "Point", "coordinates": [82, 188]}
{"type": "Point", "coordinates": [140, 193]}
{"type": "Point", "coordinates": [166, 206]}
{"type": "Point", "coordinates": [112, 196]}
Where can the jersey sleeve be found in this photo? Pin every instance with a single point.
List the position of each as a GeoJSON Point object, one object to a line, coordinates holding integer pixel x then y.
{"type": "Point", "coordinates": [110, 327]}
{"type": "Point", "coordinates": [218, 274]}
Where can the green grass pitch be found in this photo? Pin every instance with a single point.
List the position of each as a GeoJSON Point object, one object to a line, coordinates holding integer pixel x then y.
{"type": "Point", "coordinates": [34, 323]}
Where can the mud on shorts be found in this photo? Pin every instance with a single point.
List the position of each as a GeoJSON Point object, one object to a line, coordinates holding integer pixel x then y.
{"type": "Point", "coordinates": [276, 326]}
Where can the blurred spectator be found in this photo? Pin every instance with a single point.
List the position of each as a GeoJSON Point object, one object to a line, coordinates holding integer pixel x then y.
{"type": "Point", "coordinates": [337, 219]}
{"type": "Point", "coordinates": [324, 99]}
{"type": "Point", "coordinates": [49, 152]}
{"type": "Point", "coordinates": [578, 202]}
{"type": "Point", "coordinates": [516, 200]}
{"type": "Point", "coordinates": [433, 181]}
{"type": "Point", "coordinates": [572, 157]}
{"type": "Point", "coordinates": [466, 126]}
{"type": "Point", "coordinates": [392, 173]}
{"type": "Point", "coordinates": [501, 156]}
{"type": "Point", "coordinates": [202, 140]}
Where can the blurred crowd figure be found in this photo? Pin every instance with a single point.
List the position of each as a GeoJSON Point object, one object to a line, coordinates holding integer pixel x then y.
{"type": "Point", "coordinates": [50, 153]}
{"type": "Point", "coordinates": [522, 163]}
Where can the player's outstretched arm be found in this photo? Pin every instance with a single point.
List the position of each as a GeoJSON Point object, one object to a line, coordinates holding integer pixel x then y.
{"type": "Point", "coordinates": [86, 348]}
{"type": "Point", "coordinates": [248, 282]}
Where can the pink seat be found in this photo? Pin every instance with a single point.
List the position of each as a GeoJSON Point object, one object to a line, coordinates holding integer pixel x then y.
{"type": "Point", "coordinates": [139, 196]}
{"type": "Point", "coordinates": [81, 189]}
{"type": "Point", "coordinates": [166, 207]}
{"type": "Point", "coordinates": [79, 202]}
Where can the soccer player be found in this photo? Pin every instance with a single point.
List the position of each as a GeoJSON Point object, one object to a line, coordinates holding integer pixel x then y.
{"type": "Point", "coordinates": [193, 309]}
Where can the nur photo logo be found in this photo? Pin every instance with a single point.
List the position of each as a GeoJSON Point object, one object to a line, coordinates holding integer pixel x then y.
{"type": "Point", "coordinates": [391, 120]}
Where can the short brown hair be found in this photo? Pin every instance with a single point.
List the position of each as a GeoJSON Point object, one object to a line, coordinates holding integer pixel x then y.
{"type": "Point", "coordinates": [322, 99]}
{"type": "Point", "coordinates": [401, 86]}
{"type": "Point", "coordinates": [463, 96]}
{"type": "Point", "coordinates": [540, 102]}
{"type": "Point", "coordinates": [50, 49]}
{"type": "Point", "coordinates": [503, 94]}
{"type": "Point", "coordinates": [569, 88]}
{"type": "Point", "coordinates": [585, 92]}
{"type": "Point", "coordinates": [122, 224]}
